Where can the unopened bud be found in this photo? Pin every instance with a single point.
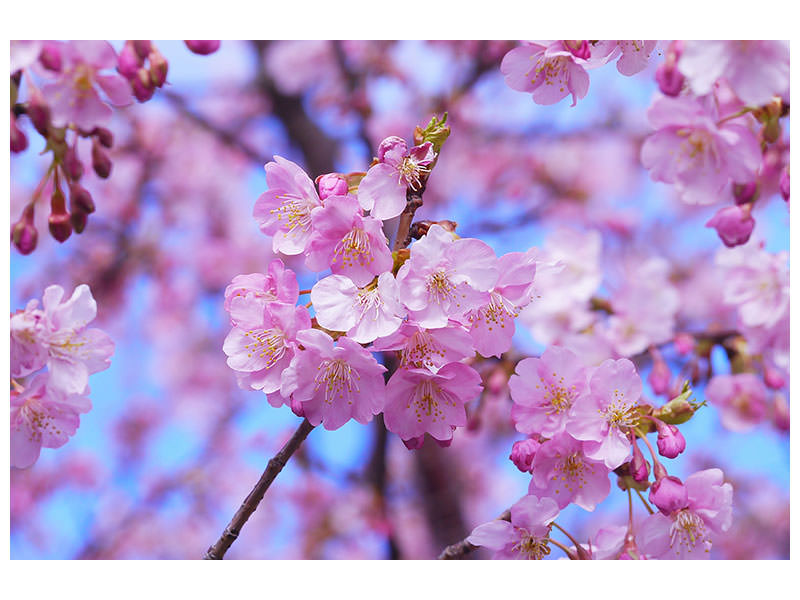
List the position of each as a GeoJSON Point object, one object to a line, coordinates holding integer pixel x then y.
{"type": "Point", "coordinates": [104, 136]}
{"type": "Point", "coordinates": [72, 164]}
{"type": "Point", "coordinates": [670, 441]}
{"type": "Point", "coordinates": [19, 141]}
{"type": "Point", "coordinates": [100, 162]}
{"type": "Point", "coordinates": [332, 184]}
{"type": "Point", "coordinates": [669, 494]}
{"type": "Point", "coordinates": [24, 234]}
{"type": "Point", "coordinates": [625, 480]}
{"type": "Point", "coordinates": [660, 375]}
{"type": "Point", "coordinates": [435, 132]}
{"type": "Point", "coordinates": [297, 407]}
{"type": "Point", "coordinates": [80, 200]}
{"type": "Point", "coordinates": [773, 378]}
{"type": "Point", "coordinates": [780, 412]}
{"type": "Point", "coordinates": [158, 68]}
{"type": "Point", "coordinates": [523, 453]}
{"type": "Point", "coordinates": [578, 48]}
{"type": "Point", "coordinates": [59, 223]}
{"type": "Point", "coordinates": [639, 467]}
{"type": "Point", "coordinates": [733, 224]}
{"type": "Point", "coordinates": [50, 56]}
{"type": "Point", "coordinates": [745, 193]}
{"type": "Point", "coordinates": [39, 112]}
{"type": "Point", "coordinates": [202, 47]}
{"type": "Point", "coordinates": [142, 48]}
{"type": "Point", "coordinates": [684, 343]}
{"type": "Point", "coordinates": [142, 87]}
{"type": "Point", "coordinates": [78, 220]}
{"type": "Point", "coordinates": [670, 79]}
{"type": "Point", "coordinates": [129, 62]}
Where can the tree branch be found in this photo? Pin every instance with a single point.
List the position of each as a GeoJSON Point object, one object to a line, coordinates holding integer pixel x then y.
{"type": "Point", "coordinates": [248, 507]}
{"type": "Point", "coordinates": [461, 549]}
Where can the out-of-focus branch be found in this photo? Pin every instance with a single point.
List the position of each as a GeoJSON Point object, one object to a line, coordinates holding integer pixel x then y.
{"type": "Point", "coordinates": [355, 88]}
{"type": "Point", "coordinates": [274, 466]}
{"type": "Point", "coordinates": [461, 549]}
{"type": "Point", "coordinates": [228, 138]}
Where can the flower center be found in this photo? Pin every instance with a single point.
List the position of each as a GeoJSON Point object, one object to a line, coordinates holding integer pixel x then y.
{"type": "Point", "coordinates": [354, 247]}
{"type": "Point", "coordinates": [439, 287]}
{"type": "Point", "coordinates": [410, 171]}
{"type": "Point", "coordinates": [39, 421]}
{"type": "Point", "coordinates": [268, 343]}
{"type": "Point", "coordinates": [83, 78]}
{"type": "Point", "coordinates": [531, 546]}
{"type": "Point", "coordinates": [557, 396]}
{"type": "Point", "coordinates": [426, 401]}
{"type": "Point", "coordinates": [338, 377]}
{"type": "Point", "coordinates": [553, 70]}
{"type": "Point", "coordinates": [619, 413]}
{"type": "Point", "coordinates": [294, 215]}
{"type": "Point", "coordinates": [419, 350]}
{"type": "Point", "coordinates": [687, 530]}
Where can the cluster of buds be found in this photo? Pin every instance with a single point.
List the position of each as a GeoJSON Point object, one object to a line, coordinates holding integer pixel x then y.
{"type": "Point", "coordinates": [143, 66]}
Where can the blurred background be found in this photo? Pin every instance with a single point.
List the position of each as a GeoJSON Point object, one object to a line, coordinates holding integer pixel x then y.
{"type": "Point", "coordinates": [172, 446]}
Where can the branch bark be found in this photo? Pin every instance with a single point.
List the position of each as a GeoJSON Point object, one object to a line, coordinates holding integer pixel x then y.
{"type": "Point", "coordinates": [274, 466]}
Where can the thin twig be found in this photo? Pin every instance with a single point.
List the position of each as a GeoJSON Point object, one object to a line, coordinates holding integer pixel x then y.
{"type": "Point", "coordinates": [248, 507]}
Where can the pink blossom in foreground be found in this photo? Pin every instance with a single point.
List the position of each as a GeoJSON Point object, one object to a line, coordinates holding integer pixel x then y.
{"type": "Point", "coordinates": [278, 284]}
{"type": "Point", "coordinates": [608, 542]}
{"type": "Point", "coordinates": [741, 399]}
{"type": "Point", "coordinates": [545, 389]}
{"type": "Point", "coordinates": [734, 224]}
{"type": "Point", "coordinates": [604, 416]}
{"type": "Point", "coordinates": [563, 472]}
{"type": "Point", "coordinates": [492, 325]}
{"type": "Point", "coordinates": [525, 537]}
{"type": "Point", "coordinates": [698, 154]}
{"type": "Point", "coordinates": [334, 384]}
{"type": "Point", "coordinates": [428, 348]}
{"type": "Point", "coordinates": [523, 453]}
{"type": "Point", "coordinates": [419, 401]}
{"type": "Point", "coordinates": [686, 533]}
{"type": "Point", "coordinates": [347, 242]}
{"type": "Point", "coordinates": [632, 55]}
{"type": "Point", "coordinates": [43, 417]}
{"type": "Point", "coordinates": [446, 277]}
{"type": "Point", "coordinates": [549, 72]}
{"type": "Point", "coordinates": [73, 98]}
{"type": "Point", "coordinates": [24, 53]}
{"type": "Point", "coordinates": [757, 70]}
{"type": "Point", "coordinates": [262, 345]}
{"type": "Point", "coordinates": [284, 210]}
{"type": "Point", "coordinates": [28, 328]}
{"type": "Point", "coordinates": [383, 189]}
{"type": "Point", "coordinates": [364, 314]}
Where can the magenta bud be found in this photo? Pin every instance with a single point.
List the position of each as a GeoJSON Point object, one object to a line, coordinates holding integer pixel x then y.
{"type": "Point", "coordinates": [773, 378]}
{"type": "Point", "coordinates": [142, 87]}
{"type": "Point", "coordinates": [784, 184]}
{"type": "Point", "coordinates": [60, 226]}
{"type": "Point", "coordinates": [78, 220]}
{"type": "Point", "coordinates": [100, 162]}
{"type": "Point", "coordinates": [72, 164]}
{"type": "Point", "coordinates": [202, 47]}
{"type": "Point", "coordinates": [50, 56]}
{"type": "Point", "coordinates": [19, 141]}
{"type": "Point", "coordinates": [523, 453]}
{"type": "Point", "coordinates": [745, 193]}
{"type": "Point", "coordinates": [669, 494]}
{"type": "Point", "coordinates": [80, 200]}
{"type": "Point", "coordinates": [24, 234]}
{"type": "Point", "coordinates": [780, 410]}
{"type": "Point", "coordinates": [639, 467]}
{"type": "Point", "coordinates": [331, 184]}
{"type": "Point", "coordinates": [104, 136]}
{"type": "Point", "coordinates": [158, 68]}
{"type": "Point", "coordinates": [670, 80]}
{"type": "Point", "coordinates": [142, 48]}
{"type": "Point", "coordinates": [297, 407]}
{"type": "Point", "coordinates": [660, 375]}
{"type": "Point", "coordinates": [39, 113]}
{"type": "Point", "coordinates": [415, 443]}
{"type": "Point", "coordinates": [670, 440]}
{"type": "Point", "coordinates": [578, 48]}
{"type": "Point", "coordinates": [733, 224]}
{"type": "Point", "coordinates": [129, 62]}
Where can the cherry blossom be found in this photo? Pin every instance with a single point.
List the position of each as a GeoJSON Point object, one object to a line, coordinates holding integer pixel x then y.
{"type": "Point", "coordinates": [741, 399]}
{"type": "Point", "coordinates": [549, 71]}
{"type": "Point", "coordinates": [525, 536]}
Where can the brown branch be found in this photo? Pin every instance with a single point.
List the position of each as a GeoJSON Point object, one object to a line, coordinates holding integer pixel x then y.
{"type": "Point", "coordinates": [461, 549]}
{"type": "Point", "coordinates": [248, 507]}
{"type": "Point", "coordinates": [413, 202]}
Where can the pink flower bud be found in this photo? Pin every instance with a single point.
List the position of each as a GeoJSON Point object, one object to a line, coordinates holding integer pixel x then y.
{"type": "Point", "coordinates": [660, 375]}
{"type": "Point", "coordinates": [523, 453]}
{"type": "Point", "coordinates": [670, 440]}
{"type": "Point", "coordinates": [578, 48]}
{"type": "Point", "coordinates": [331, 184]}
{"type": "Point", "coordinates": [129, 62]}
{"type": "Point", "coordinates": [50, 56]}
{"type": "Point", "coordinates": [202, 47]}
{"type": "Point", "coordinates": [72, 164]}
{"type": "Point", "coordinates": [297, 407]}
{"type": "Point", "coordinates": [100, 161]}
{"type": "Point", "coordinates": [773, 378]}
{"type": "Point", "coordinates": [142, 86]}
{"type": "Point", "coordinates": [80, 200]}
{"type": "Point", "coordinates": [670, 79]}
{"type": "Point", "coordinates": [142, 48]}
{"type": "Point", "coordinates": [684, 343]}
{"type": "Point", "coordinates": [19, 140]}
{"type": "Point", "coordinates": [39, 112]}
{"type": "Point", "coordinates": [745, 193]}
{"type": "Point", "coordinates": [733, 224]}
{"type": "Point", "coordinates": [78, 220]}
{"type": "Point", "coordinates": [780, 412]}
{"type": "Point", "coordinates": [669, 494]}
{"type": "Point", "coordinates": [784, 184]}
{"type": "Point", "coordinates": [60, 226]}
{"type": "Point", "coordinates": [415, 443]}
{"type": "Point", "coordinates": [158, 68]}
{"type": "Point", "coordinates": [24, 234]}
{"type": "Point", "coordinates": [104, 136]}
{"type": "Point", "coordinates": [639, 467]}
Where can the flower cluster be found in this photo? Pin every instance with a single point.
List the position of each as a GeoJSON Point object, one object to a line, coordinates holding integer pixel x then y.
{"type": "Point", "coordinates": [45, 405]}
{"type": "Point", "coordinates": [584, 423]}
{"type": "Point", "coordinates": [434, 305]}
